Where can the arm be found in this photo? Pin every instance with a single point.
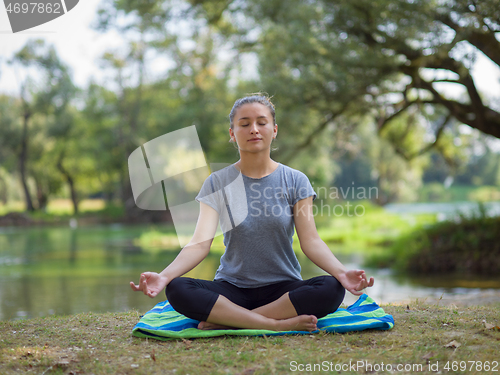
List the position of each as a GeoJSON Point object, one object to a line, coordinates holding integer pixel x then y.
{"type": "Point", "coordinates": [319, 253]}
{"type": "Point", "coordinates": [152, 283]}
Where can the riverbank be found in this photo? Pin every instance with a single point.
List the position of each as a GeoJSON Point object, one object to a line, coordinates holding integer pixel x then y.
{"type": "Point", "coordinates": [426, 337]}
{"type": "Point", "coordinates": [92, 212]}
{"type": "Point", "coordinates": [60, 213]}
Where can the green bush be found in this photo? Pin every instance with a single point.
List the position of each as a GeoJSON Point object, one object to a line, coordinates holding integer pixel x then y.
{"type": "Point", "coordinates": [471, 245]}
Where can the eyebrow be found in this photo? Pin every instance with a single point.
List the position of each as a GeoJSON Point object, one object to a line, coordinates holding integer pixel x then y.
{"type": "Point", "coordinates": [248, 118]}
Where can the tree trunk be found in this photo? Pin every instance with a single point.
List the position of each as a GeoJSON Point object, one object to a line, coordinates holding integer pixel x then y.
{"type": "Point", "coordinates": [41, 195]}
{"type": "Point", "coordinates": [71, 182]}
{"type": "Point", "coordinates": [23, 155]}
{"type": "Point", "coordinates": [74, 198]}
{"type": "Point", "coordinates": [3, 191]}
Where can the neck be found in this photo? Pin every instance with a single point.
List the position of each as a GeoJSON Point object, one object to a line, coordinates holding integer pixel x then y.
{"type": "Point", "coordinates": [256, 165]}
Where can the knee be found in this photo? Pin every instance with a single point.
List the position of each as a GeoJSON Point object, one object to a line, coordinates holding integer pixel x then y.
{"type": "Point", "coordinates": [322, 296]}
{"type": "Point", "coordinates": [174, 290]}
{"type": "Point", "coordinates": [333, 294]}
{"type": "Point", "coordinates": [188, 298]}
{"type": "Point", "coordinates": [333, 286]}
{"type": "Point", "coordinates": [328, 286]}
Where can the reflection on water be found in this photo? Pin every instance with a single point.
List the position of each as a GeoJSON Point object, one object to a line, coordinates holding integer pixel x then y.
{"type": "Point", "coordinates": [46, 271]}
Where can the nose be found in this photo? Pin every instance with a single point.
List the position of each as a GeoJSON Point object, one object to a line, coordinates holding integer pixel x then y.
{"type": "Point", "coordinates": [254, 128]}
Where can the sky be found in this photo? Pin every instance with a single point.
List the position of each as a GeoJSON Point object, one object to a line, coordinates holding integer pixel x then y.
{"type": "Point", "coordinates": [76, 42]}
{"type": "Point", "coordinates": [80, 47]}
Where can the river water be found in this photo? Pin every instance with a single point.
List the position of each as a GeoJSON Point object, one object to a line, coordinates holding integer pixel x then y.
{"type": "Point", "coordinates": [46, 271]}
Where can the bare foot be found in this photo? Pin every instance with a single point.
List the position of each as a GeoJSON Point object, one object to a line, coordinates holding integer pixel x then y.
{"type": "Point", "coordinates": [207, 325]}
{"type": "Point", "coordinates": [298, 323]}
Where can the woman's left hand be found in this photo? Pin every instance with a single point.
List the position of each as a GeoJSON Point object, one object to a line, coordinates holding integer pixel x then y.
{"type": "Point", "coordinates": [355, 281]}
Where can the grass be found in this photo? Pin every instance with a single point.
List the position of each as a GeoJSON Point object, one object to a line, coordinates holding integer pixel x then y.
{"type": "Point", "coordinates": [436, 192]}
{"type": "Point", "coordinates": [102, 344]}
{"type": "Point", "coordinates": [370, 232]}
{"type": "Point", "coordinates": [467, 245]}
{"type": "Point", "coordinates": [60, 211]}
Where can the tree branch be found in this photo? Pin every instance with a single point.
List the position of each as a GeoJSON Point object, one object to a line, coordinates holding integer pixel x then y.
{"type": "Point", "coordinates": [427, 148]}
{"type": "Point", "coordinates": [485, 41]}
{"type": "Point", "coordinates": [484, 119]}
{"type": "Point", "coordinates": [314, 134]}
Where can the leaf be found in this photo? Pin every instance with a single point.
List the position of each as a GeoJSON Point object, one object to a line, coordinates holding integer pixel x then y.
{"type": "Point", "coordinates": [490, 326]}
{"type": "Point", "coordinates": [453, 344]}
{"type": "Point", "coordinates": [187, 343]}
{"type": "Point", "coordinates": [427, 357]}
{"type": "Point", "coordinates": [249, 371]}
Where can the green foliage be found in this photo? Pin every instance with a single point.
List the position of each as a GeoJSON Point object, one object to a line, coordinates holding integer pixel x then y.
{"type": "Point", "coordinates": [471, 245]}
{"type": "Point", "coordinates": [436, 192]}
{"type": "Point", "coordinates": [10, 131]}
{"type": "Point", "coordinates": [349, 80]}
{"type": "Point", "coordinates": [361, 226]}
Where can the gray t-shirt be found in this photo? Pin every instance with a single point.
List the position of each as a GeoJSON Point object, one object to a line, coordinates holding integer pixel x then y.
{"type": "Point", "coordinates": [256, 217]}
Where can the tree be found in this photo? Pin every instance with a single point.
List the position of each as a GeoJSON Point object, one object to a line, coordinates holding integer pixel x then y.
{"type": "Point", "coordinates": [190, 90]}
{"type": "Point", "coordinates": [386, 57]}
{"type": "Point", "coordinates": [435, 43]}
{"type": "Point", "coordinates": [44, 102]}
{"type": "Point", "coordinates": [10, 138]}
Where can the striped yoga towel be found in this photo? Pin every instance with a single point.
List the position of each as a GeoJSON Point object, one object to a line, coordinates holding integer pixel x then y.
{"type": "Point", "coordinates": [162, 322]}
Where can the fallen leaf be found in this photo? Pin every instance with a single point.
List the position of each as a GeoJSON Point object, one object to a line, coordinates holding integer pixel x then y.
{"type": "Point", "coordinates": [249, 371]}
{"type": "Point", "coordinates": [490, 326]}
{"type": "Point", "coordinates": [187, 343]}
{"type": "Point", "coordinates": [427, 357]}
{"type": "Point", "coordinates": [453, 344]}
{"type": "Point", "coordinates": [153, 357]}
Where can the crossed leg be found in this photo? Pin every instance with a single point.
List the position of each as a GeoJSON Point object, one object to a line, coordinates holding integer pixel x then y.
{"type": "Point", "coordinates": [279, 315]}
{"type": "Point", "coordinates": [219, 304]}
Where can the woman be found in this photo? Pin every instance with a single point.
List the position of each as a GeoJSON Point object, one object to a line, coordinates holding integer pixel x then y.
{"type": "Point", "coordinates": [258, 284]}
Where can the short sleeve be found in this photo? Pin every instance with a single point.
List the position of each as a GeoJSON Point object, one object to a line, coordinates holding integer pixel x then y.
{"type": "Point", "coordinates": [210, 195]}
{"type": "Point", "coordinates": [302, 188]}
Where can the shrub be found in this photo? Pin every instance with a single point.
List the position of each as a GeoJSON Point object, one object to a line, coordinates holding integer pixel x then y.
{"type": "Point", "coordinates": [470, 245]}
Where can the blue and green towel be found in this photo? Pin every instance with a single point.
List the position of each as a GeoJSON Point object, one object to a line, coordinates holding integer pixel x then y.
{"type": "Point", "coordinates": [162, 322]}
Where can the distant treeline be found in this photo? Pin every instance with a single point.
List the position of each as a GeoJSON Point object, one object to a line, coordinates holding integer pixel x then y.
{"type": "Point", "coordinates": [354, 102]}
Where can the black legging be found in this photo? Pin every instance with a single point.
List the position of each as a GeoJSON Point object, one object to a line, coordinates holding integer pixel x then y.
{"type": "Point", "coordinates": [195, 298]}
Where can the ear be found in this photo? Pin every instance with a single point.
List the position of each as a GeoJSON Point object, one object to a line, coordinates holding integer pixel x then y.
{"type": "Point", "coordinates": [231, 135]}
{"type": "Point", "coordinates": [275, 130]}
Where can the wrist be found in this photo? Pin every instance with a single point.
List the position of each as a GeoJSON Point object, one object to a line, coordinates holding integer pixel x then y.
{"type": "Point", "coordinates": [342, 276]}
{"type": "Point", "coordinates": [165, 276]}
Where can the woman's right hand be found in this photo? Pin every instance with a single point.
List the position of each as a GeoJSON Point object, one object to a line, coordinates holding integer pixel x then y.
{"type": "Point", "coordinates": [150, 283]}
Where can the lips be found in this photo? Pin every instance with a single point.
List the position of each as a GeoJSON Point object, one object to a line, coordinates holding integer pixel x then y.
{"type": "Point", "coordinates": [255, 139]}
